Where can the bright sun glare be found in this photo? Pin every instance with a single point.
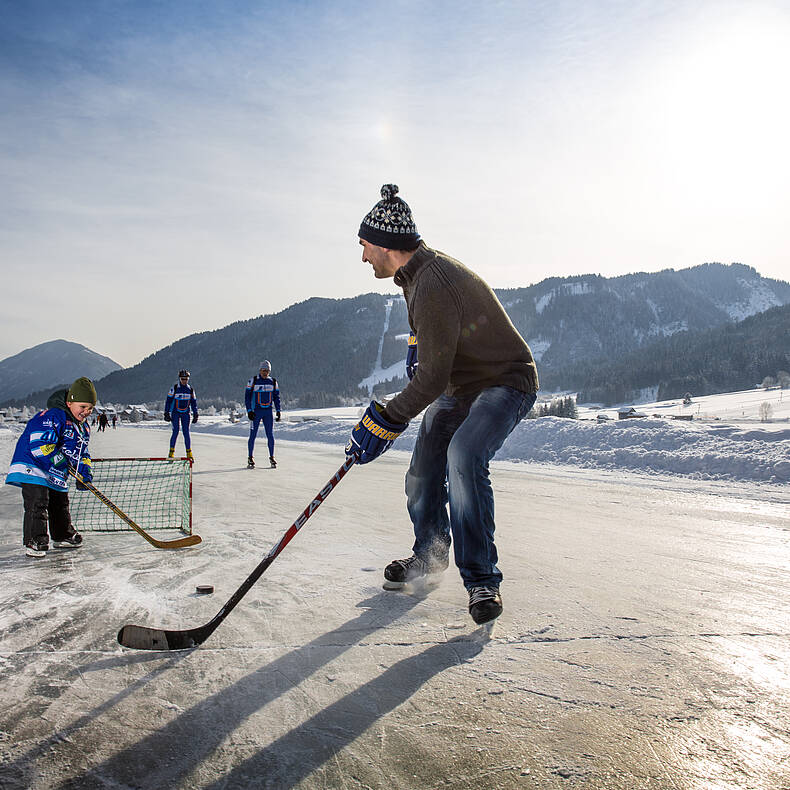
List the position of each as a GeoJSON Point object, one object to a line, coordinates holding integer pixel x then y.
{"type": "Point", "coordinates": [719, 111]}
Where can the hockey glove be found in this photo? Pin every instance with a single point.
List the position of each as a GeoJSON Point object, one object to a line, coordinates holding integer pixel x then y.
{"type": "Point", "coordinates": [194, 418]}
{"type": "Point", "coordinates": [167, 416]}
{"type": "Point", "coordinates": [86, 473]}
{"type": "Point", "coordinates": [251, 414]}
{"type": "Point", "coordinates": [373, 435]}
{"type": "Point", "coordinates": [277, 417]}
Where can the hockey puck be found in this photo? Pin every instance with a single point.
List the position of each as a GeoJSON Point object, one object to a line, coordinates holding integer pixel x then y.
{"type": "Point", "coordinates": [204, 589]}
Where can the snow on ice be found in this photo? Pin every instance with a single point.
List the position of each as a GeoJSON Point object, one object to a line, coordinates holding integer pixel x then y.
{"type": "Point", "coordinates": [702, 451]}
{"type": "Point", "coordinates": [742, 448]}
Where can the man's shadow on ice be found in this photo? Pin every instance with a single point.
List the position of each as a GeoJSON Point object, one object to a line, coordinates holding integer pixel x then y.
{"type": "Point", "coordinates": [297, 754]}
{"type": "Point", "coordinates": [178, 748]}
{"type": "Point", "coordinates": [19, 771]}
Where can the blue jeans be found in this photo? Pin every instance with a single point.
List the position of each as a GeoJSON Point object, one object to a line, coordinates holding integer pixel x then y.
{"type": "Point", "coordinates": [457, 439]}
{"type": "Point", "coordinates": [261, 416]}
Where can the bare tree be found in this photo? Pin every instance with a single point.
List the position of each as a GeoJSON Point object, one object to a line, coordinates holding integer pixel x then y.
{"type": "Point", "coordinates": [768, 382]}
{"type": "Point", "coordinates": [765, 411]}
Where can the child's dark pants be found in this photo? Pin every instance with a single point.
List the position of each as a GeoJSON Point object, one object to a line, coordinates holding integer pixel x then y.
{"type": "Point", "coordinates": [42, 505]}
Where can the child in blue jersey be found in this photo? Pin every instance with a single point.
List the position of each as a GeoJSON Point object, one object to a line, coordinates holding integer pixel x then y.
{"type": "Point", "coordinates": [53, 441]}
{"type": "Point", "coordinates": [180, 400]}
{"type": "Point", "coordinates": [260, 396]}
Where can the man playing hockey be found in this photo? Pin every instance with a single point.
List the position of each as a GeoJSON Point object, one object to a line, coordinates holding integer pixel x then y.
{"type": "Point", "coordinates": [476, 379]}
{"type": "Point", "coordinates": [260, 396]}
{"type": "Point", "coordinates": [53, 441]}
{"type": "Point", "coordinates": [178, 403]}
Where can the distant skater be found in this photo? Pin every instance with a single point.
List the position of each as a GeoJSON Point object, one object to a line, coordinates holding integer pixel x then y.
{"type": "Point", "coordinates": [180, 400]}
{"type": "Point", "coordinates": [261, 395]}
{"type": "Point", "coordinates": [475, 377]}
{"type": "Point", "coordinates": [53, 441]}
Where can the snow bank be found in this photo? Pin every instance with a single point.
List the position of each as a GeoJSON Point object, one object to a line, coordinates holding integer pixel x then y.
{"type": "Point", "coordinates": [8, 436]}
{"type": "Point", "coordinates": [653, 446]}
{"type": "Point", "coordinates": [697, 451]}
{"type": "Point", "coordinates": [693, 450]}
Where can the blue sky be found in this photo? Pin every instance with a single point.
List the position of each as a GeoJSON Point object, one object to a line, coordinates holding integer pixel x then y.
{"type": "Point", "coordinates": [170, 167]}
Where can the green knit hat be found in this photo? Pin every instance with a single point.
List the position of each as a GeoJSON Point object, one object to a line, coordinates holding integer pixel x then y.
{"type": "Point", "coordinates": [82, 391]}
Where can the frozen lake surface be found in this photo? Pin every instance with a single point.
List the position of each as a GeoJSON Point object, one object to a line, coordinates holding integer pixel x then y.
{"type": "Point", "coordinates": [645, 641]}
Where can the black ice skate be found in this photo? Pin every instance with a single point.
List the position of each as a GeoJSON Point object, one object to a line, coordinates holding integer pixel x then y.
{"type": "Point", "coordinates": [250, 463]}
{"type": "Point", "coordinates": [272, 462]}
{"type": "Point", "coordinates": [70, 541]}
{"type": "Point", "coordinates": [414, 571]}
{"type": "Point", "coordinates": [37, 547]}
{"type": "Point", "coordinates": [485, 604]}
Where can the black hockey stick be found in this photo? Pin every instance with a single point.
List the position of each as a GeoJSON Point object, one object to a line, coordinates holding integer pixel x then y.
{"type": "Point", "coordinates": [143, 638]}
{"type": "Point", "coordinates": [179, 543]}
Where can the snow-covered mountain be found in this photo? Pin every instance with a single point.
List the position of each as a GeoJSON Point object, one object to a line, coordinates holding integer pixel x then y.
{"type": "Point", "coordinates": [48, 365]}
{"type": "Point", "coordinates": [578, 319]}
{"type": "Point", "coordinates": [327, 352]}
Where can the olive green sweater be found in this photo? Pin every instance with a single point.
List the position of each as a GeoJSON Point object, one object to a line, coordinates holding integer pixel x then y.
{"type": "Point", "coordinates": [465, 340]}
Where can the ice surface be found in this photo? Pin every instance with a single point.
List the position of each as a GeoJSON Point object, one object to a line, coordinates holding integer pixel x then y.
{"type": "Point", "coordinates": [645, 640]}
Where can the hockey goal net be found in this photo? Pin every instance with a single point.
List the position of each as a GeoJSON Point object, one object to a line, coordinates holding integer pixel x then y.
{"type": "Point", "coordinates": [156, 493]}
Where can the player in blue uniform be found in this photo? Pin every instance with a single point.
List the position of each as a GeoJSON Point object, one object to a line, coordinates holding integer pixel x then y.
{"type": "Point", "coordinates": [53, 441]}
{"type": "Point", "coordinates": [260, 396]}
{"type": "Point", "coordinates": [180, 400]}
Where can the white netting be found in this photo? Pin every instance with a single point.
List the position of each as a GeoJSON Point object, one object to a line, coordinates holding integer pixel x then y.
{"type": "Point", "coordinates": [156, 493]}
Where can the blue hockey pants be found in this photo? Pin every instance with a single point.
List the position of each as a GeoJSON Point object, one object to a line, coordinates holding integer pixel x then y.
{"type": "Point", "coordinates": [180, 418]}
{"type": "Point", "coordinates": [261, 416]}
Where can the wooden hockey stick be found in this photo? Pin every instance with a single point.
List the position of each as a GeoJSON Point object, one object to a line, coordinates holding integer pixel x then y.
{"type": "Point", "coordinates": [141, 637]}
{"type": "Point", "coordinates": [179, 543]}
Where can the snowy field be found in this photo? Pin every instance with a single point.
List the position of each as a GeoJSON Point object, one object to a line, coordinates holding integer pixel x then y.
{"type": "Point", "coordinates": [645, 641]}
{"type": "Point", "coordinates": [724, 441]}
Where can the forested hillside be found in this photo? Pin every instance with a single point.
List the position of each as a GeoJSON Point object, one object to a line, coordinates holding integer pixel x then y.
{"type": "Point", "coordinates": [605, 336]}
{"type": "Point", "coordinates": [732, 357]}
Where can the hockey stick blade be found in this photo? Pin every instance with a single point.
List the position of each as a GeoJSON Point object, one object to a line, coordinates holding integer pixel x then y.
{"type": "Point", "coordinates": [178, 543]}
{"type": "Point", "coordinates": [140, 637]}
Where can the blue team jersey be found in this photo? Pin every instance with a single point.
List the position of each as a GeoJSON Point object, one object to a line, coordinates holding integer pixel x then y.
{"type": "Point", "coordinates": [261, 393]}
{"type": "Point", "coordinates": [180, 399]}
{"type": "Point", "coordinates": [50, 443]}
